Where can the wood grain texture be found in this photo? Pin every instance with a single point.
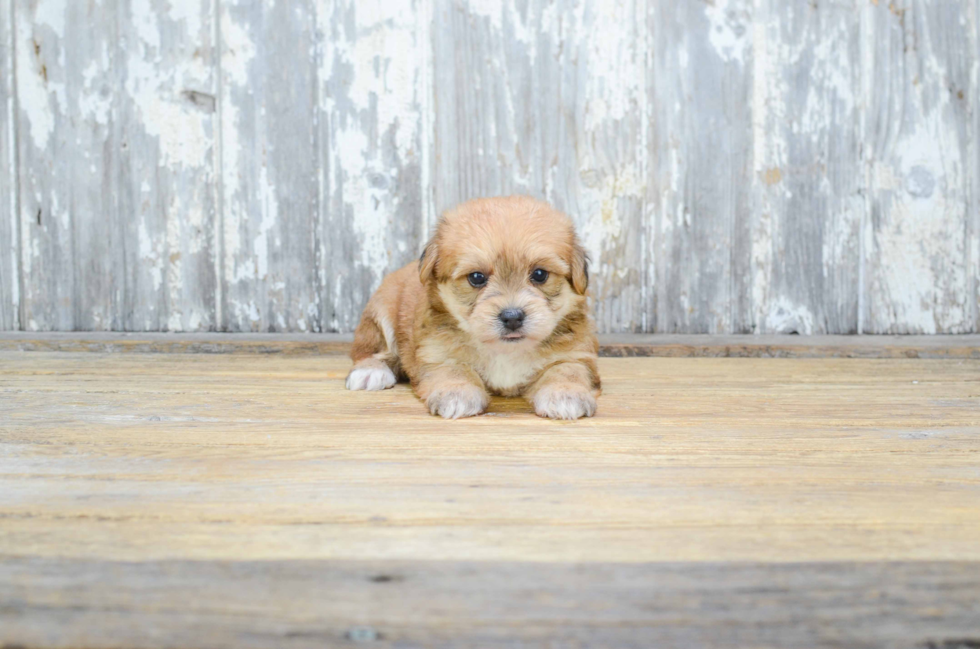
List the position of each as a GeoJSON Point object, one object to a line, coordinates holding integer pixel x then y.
{"type": "Point", "coordinates": [216, 501]}
{"type": "Point", "coordinates": [371, 101]}
{"type": "Point", "coordinates": [529, 101]}
{"type": "Point", "coordinates": [68, 92]}
{"type": "Point", "coordinates": [117, 169]}
{"type": "Point", "coordinates": [270, 158]}
{"type": "Point", "coordinates": [164, 162]}
{"type": "Point", "coordinates": [701, 145]}
{"type": "Point", "coordinates": [157, 456]}
{"type": "Point", "coordinates": [612, 345]}
{"type": "Point", "coordinates": [734, 166]}
{"type": "Point", "coordinates": [973, 213]}
{"type": "Point", "coordinates": [805, 230]}
{"type": "Point", "coordinates": [9, 239]}
{"type": "Point", "coordinates": [913, 605]}
{"type": "Point", "coordinates": [919, 139]}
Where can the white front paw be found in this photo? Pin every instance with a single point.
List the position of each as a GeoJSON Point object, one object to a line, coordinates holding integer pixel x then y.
{"type": "Point", "coordinates": [458, 401]}
{"type": "Point", "coordinates": [370, 378]}
{"type": "Point", "coordinates": [556, 403]}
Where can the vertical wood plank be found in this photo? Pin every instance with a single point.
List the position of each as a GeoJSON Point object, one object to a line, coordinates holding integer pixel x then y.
{"type": "Point", "coordinates": [270, 153]}
{"type": "Point", "coordinates": [371, 99]}
{"type": "Point", "coordinates": [919, 59]}
{"type": "Point", "coordinates": [165, 131]}
{"type": "Point", "coordinates": [9, 239]}
{"type": "Point", "coordinates": [701, 153]}
{"type": "Point", "coordinates": [530, 100]}
{"type": "Point", "coordinates": [974, 212]}
{"type": "Point", "coordinates": [66, 86]}
{"type": "Point", "coordinates": [713, 154]}
{"type": "Point", "coordinates": [807, 170]}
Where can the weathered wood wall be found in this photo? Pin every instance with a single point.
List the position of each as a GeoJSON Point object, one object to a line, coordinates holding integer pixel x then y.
{"type": "Point", "coordinates": [734, 165]}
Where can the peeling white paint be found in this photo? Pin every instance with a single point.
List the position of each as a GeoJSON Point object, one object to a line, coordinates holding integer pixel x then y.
{"type": "Point", "coordinates": [95, 102]}
{"type": "Point", "coordinates": [834, 66]}
{"type": "Point", "coordinates": [150, 254]}
{"type": "Point", "coordinates": [378, 118]}
{"type": "Point", "coordinates": [171, 133]}
{"type": "Point", "coordinates": [51, 14]}
{"type": "Point", "coordinates": [156, 91]}
{"type": "Point", "coordinates": [9, 166]}
{"type": "Point", "coordinates": [188, 13]}
{"type": "Point", "coordinates": [616, 70]}
{"type": "Point", "coordinates": [270, 197]}
{"type": "Point", "coordinates": [919, 249]}
{"type": "Point", "coordinates": [729, 22]}
{"type": "Point", "coordinates": [490, 9]}
{"type": "Point", "coordinates": [365, 202]}
{"type": "Point", "coordinates": [768, 151]}
{"type": "Point", "coordinates": [145, 21]}
{"type": "Point", "coordinates": [39, 98]}
{"type": "Point", "coordinates": [174, 261]}
{"type": "Point", "coordinates": [238, 49]}
{"type": "Point", "coordinates": [384, 57]}
{"type": "Point", "coordinates": [604, 226]}
{"type": "Point", "coordinates": [785, 317]}
{"type": "Point", "coordinates": [231, 177]}
{"type": "Point", "coordinates": [270, 217]}
{"type": "Point", "coordinates": [385, 67]}
{"type": "Point", "coordinates": [918, 280]}
{"type": "Point", "coordinates": [237, 53]}
{"type": "Point", "coordinates": [424, 90]}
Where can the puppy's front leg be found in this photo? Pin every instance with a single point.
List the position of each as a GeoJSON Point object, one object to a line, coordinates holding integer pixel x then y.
{"type": "Point", "coordinates": [565, 391]}
{"type": "Point", "coordinates": [452, 391]}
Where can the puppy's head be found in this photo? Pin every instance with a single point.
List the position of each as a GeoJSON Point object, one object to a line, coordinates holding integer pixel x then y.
{"type": "Point", "coordinates": [507, 269]}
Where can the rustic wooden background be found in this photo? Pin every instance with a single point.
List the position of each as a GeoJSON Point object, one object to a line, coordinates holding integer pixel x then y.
{"type": "Point", "coordinates": [766, 166]}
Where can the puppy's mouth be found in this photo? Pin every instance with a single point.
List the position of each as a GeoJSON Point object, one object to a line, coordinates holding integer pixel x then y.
{"type": "Point", "coordinates": [513, 337]}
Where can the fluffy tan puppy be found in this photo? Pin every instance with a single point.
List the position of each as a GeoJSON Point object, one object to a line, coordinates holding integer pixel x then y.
{"type": "Point", "coordinates": [496, 305]}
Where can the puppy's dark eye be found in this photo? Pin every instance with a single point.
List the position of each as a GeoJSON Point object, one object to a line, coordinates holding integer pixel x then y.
{"type": "Point", "coordinates": [477, 280]}
{"type": "Point", "coordinates": [539, 276]}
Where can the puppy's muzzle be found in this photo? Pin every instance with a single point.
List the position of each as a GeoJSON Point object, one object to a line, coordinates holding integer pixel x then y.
{"type": "Point", "coordinates": [512, 319]}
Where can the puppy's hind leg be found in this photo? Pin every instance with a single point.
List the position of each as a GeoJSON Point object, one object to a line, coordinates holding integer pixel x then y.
{"type": "Point", "coordinates": [374, 355]}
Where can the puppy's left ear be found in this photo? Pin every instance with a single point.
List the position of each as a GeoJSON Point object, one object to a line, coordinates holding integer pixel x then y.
{"type": "Point", "coordinates": [427, 262]}
{"type": "Point", "coordinates": [580, 269]}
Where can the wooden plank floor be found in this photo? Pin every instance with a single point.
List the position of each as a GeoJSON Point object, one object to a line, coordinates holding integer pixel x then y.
{"type": "Point", "coordinates": [178, 500]}
{"type": "Point", "coordinates": [615, 345]}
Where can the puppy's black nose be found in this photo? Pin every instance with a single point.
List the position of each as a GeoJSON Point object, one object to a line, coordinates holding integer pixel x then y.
{"type": "Point", "coordinates": [512, 318]}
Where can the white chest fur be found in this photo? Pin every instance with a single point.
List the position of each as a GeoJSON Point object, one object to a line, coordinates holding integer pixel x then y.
{"type": "Point", "coordinates": [506, 373]}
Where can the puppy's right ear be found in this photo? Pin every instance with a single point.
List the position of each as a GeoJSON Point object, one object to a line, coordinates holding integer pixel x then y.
{"type": "Point", "coordinates": [427, 262]}
{"type": "Point", "coordinates": [580, 269]}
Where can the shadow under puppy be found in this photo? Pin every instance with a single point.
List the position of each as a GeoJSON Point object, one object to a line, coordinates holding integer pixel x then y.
{"type": "Point", "coordinates": [496, 305]}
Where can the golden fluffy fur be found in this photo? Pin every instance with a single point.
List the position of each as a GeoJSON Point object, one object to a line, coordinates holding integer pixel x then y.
{"type": "Point", "coordinates": [430, 324]}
